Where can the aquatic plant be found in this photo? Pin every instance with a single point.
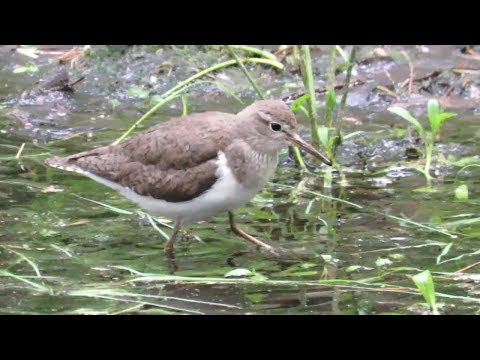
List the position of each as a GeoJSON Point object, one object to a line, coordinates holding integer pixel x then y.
{"type": "Point", "coordinates": [321, 134]}
{"type": "Point", "coordinates": [436, 117]}
{"type": "Point", "coordinates": [424, 283]}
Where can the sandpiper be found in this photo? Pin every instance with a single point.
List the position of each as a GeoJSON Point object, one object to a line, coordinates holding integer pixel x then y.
{"type": "Point", "coordinates": [193, 167]}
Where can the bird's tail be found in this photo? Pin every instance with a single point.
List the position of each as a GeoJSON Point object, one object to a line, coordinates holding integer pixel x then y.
{"type": "Point", "coordinates": [63, 163]}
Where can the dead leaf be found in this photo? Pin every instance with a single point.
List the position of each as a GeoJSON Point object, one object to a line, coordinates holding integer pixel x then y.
{"type": "Point", "coordinates": [352, 120]}
{"type": "Point", "coordinates": [75, 57]}
{"type": "Point", "coordinates": [380, 52]}
{"type": "Point", "coordinates": [69, 55]}
{"type": "Point", "coordinates": [78, 222]}
{"type": "Point", "coordinates": [30, 52]}
{"type": "Point", "coordinates": [51, 189]}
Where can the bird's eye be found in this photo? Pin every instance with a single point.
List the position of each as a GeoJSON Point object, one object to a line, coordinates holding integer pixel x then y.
{"type": "Point", "coordinates": [275, 126]}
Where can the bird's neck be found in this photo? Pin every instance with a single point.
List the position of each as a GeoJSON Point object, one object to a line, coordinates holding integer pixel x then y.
{"type": "Point", "coordinates": [250, 167]}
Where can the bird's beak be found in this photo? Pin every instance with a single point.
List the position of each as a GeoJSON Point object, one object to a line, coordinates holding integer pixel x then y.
{"type": "Point", "coordinates": [297, 140]}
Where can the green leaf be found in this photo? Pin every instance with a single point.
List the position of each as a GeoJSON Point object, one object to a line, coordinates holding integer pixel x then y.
{"type": "Point", "coordinates": [238, 273]}
{"type": "Point", "coordinates": [331, 100]}
{"type": "Point", "coordinates": [353, 268]}
{"type": "Point", "coordinates": [407, 116]}
{"type": "Point", "coordinates": [299, 102]}
{"type": "Point", "coordinates": [424, 283]}
{"type": "Point", "coordinates": [433, 110]}
{"type": "Point", "coordinates": [333, 142]}
{"type": "Point", "coordinates": [446, 115]}
{"type": "Point", "coordinates": [255, 297]}
{"type": "Point", "coordinates": [20, 70]}
{"type": "Point", "coordinates": [396, 256]}
{"type": "Point", "coordinates": [461, 192]}
{"type": "Point", "coordinates": [114, 103]}
{"type": "Point", "coordinates": [466, 161]}
{"type": "Point", "coordinates": [138, 92]}
{"type": "Point", "coordinates": [399, 132]}
{"type": "Point", "coordinates": [323, 135]}
{"type": "Point", "coordinates": [258, 277]}
{"type": "Point", "coordinates": [436, 117]}
{"type": "Point", "coordinates": [381, 262]}
{"type": "Point", "coordinates": [29, 68]}
{"type": "Point", "coordinates": [308, 265]}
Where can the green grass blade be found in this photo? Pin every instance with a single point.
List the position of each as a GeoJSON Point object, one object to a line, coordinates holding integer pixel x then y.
{"type": "Point", "coordinates": [36, 286]}
{"type": "Point", "coordinates": [112, 208]}
{"type": "Point", "coordinates": [405, 114]}
{"type": "Point", "coordinates": [255, 51]}
{"type": "Point", "coordinates": [444, 252]}
{"type": "Point", "coordinates": [298, 103]}
{"type": "Point", "coordinates": [424, 282]}
{"type": "Point", "coordinates": [436, 117]}
{"type": "Point", "coordinates": [155, 226]}
{"type": "Point", "coordinates": [411, 222]}
{"type": "Point", "coordinates": [30, 262]}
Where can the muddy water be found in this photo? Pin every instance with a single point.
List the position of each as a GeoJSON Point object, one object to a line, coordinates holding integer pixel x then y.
{"type": "Point", "coordinates": [350, 253]}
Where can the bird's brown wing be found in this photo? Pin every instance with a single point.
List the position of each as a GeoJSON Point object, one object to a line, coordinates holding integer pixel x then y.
{"type": "Point", "coordinates": [173, 161]}
{"type": "Point", "coordinates": [182, 142]}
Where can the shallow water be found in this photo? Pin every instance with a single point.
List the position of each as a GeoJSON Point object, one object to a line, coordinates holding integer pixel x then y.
{"type": "Point", "coordinates": [63, 254]}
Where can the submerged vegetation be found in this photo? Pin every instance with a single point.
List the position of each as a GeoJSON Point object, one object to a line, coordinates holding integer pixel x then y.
{"type": "Point", "coordinates": [363, 237]}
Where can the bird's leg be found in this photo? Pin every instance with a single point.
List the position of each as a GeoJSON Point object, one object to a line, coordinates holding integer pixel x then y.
{"type": "Point", "coordinates": [173, 237]}
{"type": "Point", "coordinates": [244, 235]}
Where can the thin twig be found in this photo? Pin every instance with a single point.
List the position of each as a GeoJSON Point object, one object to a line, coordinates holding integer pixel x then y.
{"type": "Point", "coordinates": [410, 80]}
{"type": "Point", "coordinates": [71, 85]}
{"type": "Point", "coordinates": [390, 78]}
{"type": "Point", "coordinates": [469, 267]}
{"type": "Point", "coordinates": [294, 96]}
{"type": "Point", "coordinates": [387, 91]}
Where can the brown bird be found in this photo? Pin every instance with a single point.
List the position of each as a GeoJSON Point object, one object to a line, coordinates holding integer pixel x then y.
{"type": "Point", "coordinates": [193, 167]}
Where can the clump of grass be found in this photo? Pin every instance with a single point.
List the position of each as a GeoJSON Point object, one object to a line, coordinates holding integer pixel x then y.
{"type": "Point", "coordinates": [436, 117]}
{"type": "Point", "coordinates": [320, 134]}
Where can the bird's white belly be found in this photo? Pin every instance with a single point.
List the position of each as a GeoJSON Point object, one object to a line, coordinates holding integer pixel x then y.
{"type": "Point", "coordinates": [226, 194]}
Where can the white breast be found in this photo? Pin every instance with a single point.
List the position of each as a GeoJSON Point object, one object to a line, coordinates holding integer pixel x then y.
{"type": "Point", "coordinates": [226, 194]}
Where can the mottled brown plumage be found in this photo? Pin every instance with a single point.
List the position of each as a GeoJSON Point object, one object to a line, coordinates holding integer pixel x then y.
{"type": "Point", "coordinates": [152, 162]}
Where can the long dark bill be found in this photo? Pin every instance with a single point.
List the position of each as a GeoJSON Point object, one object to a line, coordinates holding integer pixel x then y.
{"type": "Point", "coordinates": [297, 140]}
